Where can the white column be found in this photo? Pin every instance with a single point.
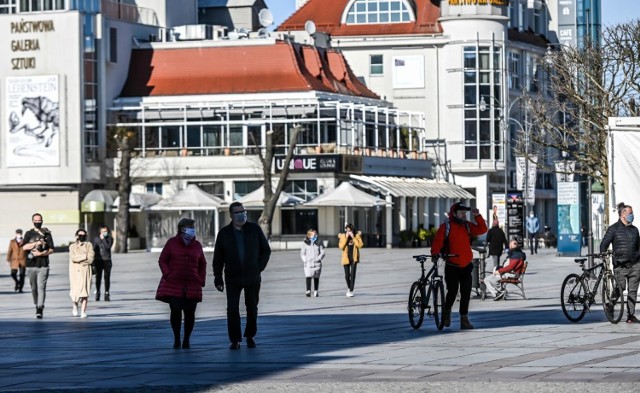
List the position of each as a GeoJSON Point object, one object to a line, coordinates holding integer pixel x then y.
{"type": "Point", "coordinates": [402, 214]}
{"type": "Point", "coordinates": [389, 219]}
{"type": "Point", "coordinates": [414, 214]}
{"type": "Point", "coordinates": [426, 213]}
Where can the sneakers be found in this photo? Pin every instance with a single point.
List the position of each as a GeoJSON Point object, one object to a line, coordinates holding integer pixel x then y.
{"type": "Point", "coordinates": [464, 322]}
{"type": "Point", "coordinates": [349, 294]}
{"type": "Point", "coordinates": [446, 316]}
{"type": "Point", "coordinates": [107, 298]}
{"type": "Point", "coordinates": [39, 312]}
{"type": "Point", "coordinates": [632, 319]}
{"type": "Point", "coordinates": [74, 311]}
{"type": "Point", "coordinates": [315, 293]}
{"type": "Point", "coordinates": [234, 346]}
{"type": "Point", "coordinates": [499, 296]}
{"type": "Point", "coordinates": [251, 343]}
{"type": "Point", "coordinates": [83, 315]}
{"type": "Point", "coordinates": [308, 293]}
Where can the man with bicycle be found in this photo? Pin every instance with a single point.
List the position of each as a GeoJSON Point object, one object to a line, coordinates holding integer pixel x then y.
{"type": "Point", "coordinates": [454, 237]}
{"type": "Point", "coordinates": [624, 237]}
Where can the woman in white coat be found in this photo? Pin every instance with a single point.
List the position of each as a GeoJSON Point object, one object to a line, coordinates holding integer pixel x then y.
{"type": "Point", "coordinates": [312, 253]}
{"type": "Point", "coordinates": [80, 258]}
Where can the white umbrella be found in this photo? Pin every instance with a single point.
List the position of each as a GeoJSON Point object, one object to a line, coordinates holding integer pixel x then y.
{"type": "Point", "coordinates": [191, 198]}
{"type": "Point", "coordinates": [140, 200]}
{"type": "Point", "coordinates": [256, 199]}
{"type": "Point", "coordinates": [346, 195]}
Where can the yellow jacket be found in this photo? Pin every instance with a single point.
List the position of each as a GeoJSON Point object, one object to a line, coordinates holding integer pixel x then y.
{"type": "Point", "coordinates": [357, 245]}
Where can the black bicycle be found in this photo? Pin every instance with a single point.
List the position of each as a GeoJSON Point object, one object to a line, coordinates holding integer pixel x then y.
{"type": "Point", "coordinates": [579, 291]}
{"type": "Point", "coordinates": [481, 289]}
{"type": "Point", "coordinates": [427, 293]}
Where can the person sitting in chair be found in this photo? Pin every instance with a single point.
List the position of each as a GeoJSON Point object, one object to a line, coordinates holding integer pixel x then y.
{"type": "Point", "coordinates": [514, 263]}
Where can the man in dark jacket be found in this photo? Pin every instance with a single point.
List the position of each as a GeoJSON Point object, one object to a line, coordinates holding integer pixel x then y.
{"type": "Point", "coordinates": [102, 262]}
{"type": "Point", "coordinates": [497, 241]}
{"type": "Point", "coordinates": [38, 243]}
{"type": "Point", "coordinates": [626, 249]}
{"type": "Point", "coordinates": [242, 251]}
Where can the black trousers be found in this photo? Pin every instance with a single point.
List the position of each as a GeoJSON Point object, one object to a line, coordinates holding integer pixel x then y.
{"type": "Point", "coordinates": [458, 278]}
{"type": "Point", "coordinates": [103, 266]}
{"type": "Point", "coordinates": [632, 274]}
{"type": "Point", "coordinates": [18, 276]}
{"type": "Point", "coordinates": [533, 242]}
{"type": "Point", "coordinates": [350, 275]}
{"type": "Point", "coordinates": [251, 298]}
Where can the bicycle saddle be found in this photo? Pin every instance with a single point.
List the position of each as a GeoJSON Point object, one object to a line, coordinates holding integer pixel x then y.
{"type": "Point", "coordinates": [481, 250]}
{"type": "Point", "coordinates": [580, 260]}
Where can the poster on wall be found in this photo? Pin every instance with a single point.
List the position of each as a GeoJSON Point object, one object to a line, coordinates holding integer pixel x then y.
{"type": "Point", "coordinates": [32, 105]}
{"type": "Point", "coordinates": [408, 72]}
{"type": "Point", "coordinates": [569, 239]}
{"type": "Point", "coordinates": [498, 210]}
{"type": "Point", "coordinates": [515, 217]}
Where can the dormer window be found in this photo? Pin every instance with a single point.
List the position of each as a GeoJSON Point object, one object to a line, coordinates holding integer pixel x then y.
{"type": "Point", "coordinates": [362, 12]}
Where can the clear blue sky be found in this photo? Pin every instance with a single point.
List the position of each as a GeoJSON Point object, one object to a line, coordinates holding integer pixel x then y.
{"type": "Point", "coordinates": [613, 11]}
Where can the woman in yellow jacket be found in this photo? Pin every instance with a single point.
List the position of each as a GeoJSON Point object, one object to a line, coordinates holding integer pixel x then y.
{"type": "Point", "coordinates": [350, 243]}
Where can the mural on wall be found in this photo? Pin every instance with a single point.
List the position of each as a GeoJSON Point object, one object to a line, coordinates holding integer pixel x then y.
{"type": "Point", "coordinates": [32, 105]}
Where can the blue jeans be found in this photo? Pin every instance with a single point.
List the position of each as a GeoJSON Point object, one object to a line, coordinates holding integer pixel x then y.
{"type": "Point", "coordinates": [38, 277]}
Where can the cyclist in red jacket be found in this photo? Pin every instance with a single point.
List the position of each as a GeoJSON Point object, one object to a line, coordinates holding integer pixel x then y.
{"type": "Point", "coordinates": [454, 237]}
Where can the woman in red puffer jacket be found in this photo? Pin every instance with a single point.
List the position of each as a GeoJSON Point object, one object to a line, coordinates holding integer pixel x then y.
{"type": "Point", "coordinates": [184, 268]}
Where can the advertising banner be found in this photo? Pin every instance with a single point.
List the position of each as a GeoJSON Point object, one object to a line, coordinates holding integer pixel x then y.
{"type": "Point", "coordinates": [498, 210]}
{"type": "Point", "coordinates": [32, 106]}
{"type": "Point", "coordinates": [569, 238]}
{"type": "Point", "coordinates": [515, 217]}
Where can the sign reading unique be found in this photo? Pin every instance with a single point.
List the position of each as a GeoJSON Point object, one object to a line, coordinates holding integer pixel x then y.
{"type": "Point", "coordinates": [310, 163]}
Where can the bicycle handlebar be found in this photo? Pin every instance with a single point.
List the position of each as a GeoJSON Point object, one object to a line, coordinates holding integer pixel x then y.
{"type": "Point", "coordinates": [607, 253]}
{"type": "Point", "coordinates": [434, 256]}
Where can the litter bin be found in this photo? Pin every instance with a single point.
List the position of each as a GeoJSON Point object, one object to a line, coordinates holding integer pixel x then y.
{"type": "Point", "coordinates": [475, 274]}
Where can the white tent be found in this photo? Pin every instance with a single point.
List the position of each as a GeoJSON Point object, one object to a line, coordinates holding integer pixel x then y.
{"type": "Point", "coordinates": [98, 200]}
{"type": "Point", "coordinates": [346, 195]}
{"type": "Point", "coordinates": [137, 200]}
{"type": "Point", "coordinates": [192, 202]}
{"type": "Point", "coordinates": [256, 199]}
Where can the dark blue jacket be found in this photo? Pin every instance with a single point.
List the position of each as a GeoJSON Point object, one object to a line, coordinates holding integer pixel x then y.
{"type": "Point", "coordinates": [226, 258]}
{"type": "Point", "coordinates": [626, 242]}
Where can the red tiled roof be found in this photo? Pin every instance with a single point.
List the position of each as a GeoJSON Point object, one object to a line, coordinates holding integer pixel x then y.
{"type": "Point", "coordinates": [327, 14]}
{"type": "Point", "coordinates": [282, 67]}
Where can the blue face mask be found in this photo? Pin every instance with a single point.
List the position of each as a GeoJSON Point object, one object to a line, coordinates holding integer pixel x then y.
{"type": "Point", "coordinates": [313, 238]}
{"type": "Point", "coordinates": [630, 217]}
{"type": "Point", "coordinates": [189, 233]}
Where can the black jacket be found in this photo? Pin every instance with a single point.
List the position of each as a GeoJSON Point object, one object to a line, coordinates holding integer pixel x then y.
{"type": "Point", "coordinates": [33, 235]}
{"type": "Point", "coordinates": [225, 256]}
{"type": "Point", "coordinates": [497, 241]}
{"type": "Point", "coordinates": [102, 248]}
{"type": "Point", "coordinates": [626, 242]}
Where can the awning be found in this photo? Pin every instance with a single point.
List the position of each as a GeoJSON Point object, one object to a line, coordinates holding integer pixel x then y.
{"type": "Point", "coordinates": [411, 187]}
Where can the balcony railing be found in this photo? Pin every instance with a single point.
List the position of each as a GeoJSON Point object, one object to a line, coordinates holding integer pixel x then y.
{"type": "Point", "coordinates": [129, 13]}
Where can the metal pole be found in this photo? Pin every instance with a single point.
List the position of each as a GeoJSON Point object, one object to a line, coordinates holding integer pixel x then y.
{"type": "Point", "coordinates": [590, 226]}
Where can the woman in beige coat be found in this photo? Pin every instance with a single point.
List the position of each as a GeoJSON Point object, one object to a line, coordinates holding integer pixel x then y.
{"type": "Point", "coordinates": [80, 258]}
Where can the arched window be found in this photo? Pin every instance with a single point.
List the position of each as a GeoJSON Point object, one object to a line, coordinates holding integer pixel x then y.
{"type": "Point", "coordinates": [378, 11]}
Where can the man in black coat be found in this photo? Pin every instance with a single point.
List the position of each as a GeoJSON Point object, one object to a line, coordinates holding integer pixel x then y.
{"type": "Point", "coordinates": [626, 249]}
{"type": "Point", "coordinates": [497, 241]}
{"type": "Point", "coordinates": [242, 251]}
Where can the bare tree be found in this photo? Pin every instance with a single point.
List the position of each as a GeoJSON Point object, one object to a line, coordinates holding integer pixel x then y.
{"type": "Point", "coordinates": [125, 141]}
{"type": "Point", "coordinates": [578, 90]}
{"type": "Point", "coordinates": [266, 160]}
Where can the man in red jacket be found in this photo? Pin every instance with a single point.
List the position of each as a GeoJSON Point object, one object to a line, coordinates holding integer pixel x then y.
{"type": "Point", "coordinates": [454, 237]}
{"type": "Point", "coordinates": [513, 265]}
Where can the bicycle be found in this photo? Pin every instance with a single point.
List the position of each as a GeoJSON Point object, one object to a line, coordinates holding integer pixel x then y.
{"type": "Point", "coordinates": [577, 295]}
{"type": "Point", "coordinates": [482, 266]}
{"type": "Point", "coordinates": [428, 285]}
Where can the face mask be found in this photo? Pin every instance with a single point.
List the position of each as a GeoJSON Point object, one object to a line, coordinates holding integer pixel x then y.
{"type": "Point", "coordinates": [189, 233]}
{"type": "Point", "coordinates": [531, 215]}
{"type": "Point", "coordinates": [18, 239]}
{"type": "Point", "coordinates": [37, 225]}
{"type": "Point", "coordinates": [82, 238]}
{"type": "Point", "coordinates": [240, 218]}
{"type": "Point", "coordinates": [313, 238]}
{"type": "Point", "coordinates": [106, 234]}
{"type": "Point", "coordinates": [630, 217]}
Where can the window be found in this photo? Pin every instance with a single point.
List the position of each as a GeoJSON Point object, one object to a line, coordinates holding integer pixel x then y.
{"type": "Point", "coordinates": [242, 188]}
{"type": "Point", "coordinates": [375, 65]}
{"type": "Point", "coordinates": [514, 70]}
{"type": "Point", "coordinates": [298, 222]}
{"type": "Point", "coordinates": [113, 45]}
{"type": "Point", "coordinates": [7, 6]}
{"type": "Point", "coordinates": [91, 96]}
{"type": "Point", "coordinates": [379, 11]}
{"type": "Point", "coordinates": [482, 82]}
{"type": "Point", "coordinates": [305, 189]}
{"type": "Point", "coordinates": [40, 5]}
{"type": "Point", "coordinates": [154, 187]}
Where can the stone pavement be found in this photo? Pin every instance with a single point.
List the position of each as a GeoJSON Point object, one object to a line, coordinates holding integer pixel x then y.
{"type": "Point", "coordinates": [329, 343]}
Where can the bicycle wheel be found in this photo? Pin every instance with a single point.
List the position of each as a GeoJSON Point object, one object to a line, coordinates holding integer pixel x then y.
{"type": "Point", "coordinates": [415, 306]}
{"type": "Point", "coordinates": [438, 303]}
{"type": "Point", "coordinates": [612, 299]}
{"type": "Point", "coordinates": [574, 298]}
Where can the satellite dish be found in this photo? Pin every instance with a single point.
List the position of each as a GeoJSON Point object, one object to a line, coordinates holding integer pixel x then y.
{"type": "Point", "coordinates": [233, 35]}
{"type": "Point", "coordinates": [243, 32]}
{"type": "Point", "coordinates": [265, 17]}
{"type": "Point", "coordinates": [310, 27]}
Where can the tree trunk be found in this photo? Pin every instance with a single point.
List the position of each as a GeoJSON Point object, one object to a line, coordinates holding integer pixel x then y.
{"type": "Point", "coordinates": [123, 216]}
